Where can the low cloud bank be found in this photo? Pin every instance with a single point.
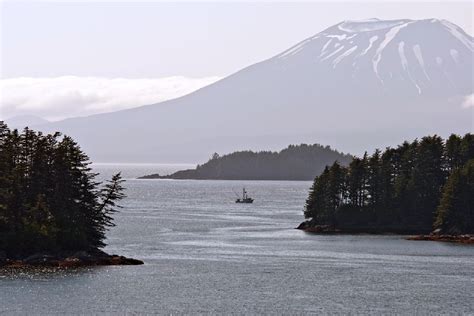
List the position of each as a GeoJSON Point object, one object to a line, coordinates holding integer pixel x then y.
{"type": "Point", "coordinates": [70, 96]}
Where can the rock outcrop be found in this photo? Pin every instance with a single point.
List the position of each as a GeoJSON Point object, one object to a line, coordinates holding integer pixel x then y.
{"type": "Point", "coordinates": [67, 259]}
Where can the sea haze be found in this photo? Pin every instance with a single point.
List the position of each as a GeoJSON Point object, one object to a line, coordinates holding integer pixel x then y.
{"type": "Point", "coordinates": [204, 253]}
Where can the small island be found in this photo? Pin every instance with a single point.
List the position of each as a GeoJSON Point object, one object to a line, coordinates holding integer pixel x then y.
{"type": "Point", "coordinates": [52, 210]}
{"type": "Point", "coordinates": [296, 162]}
{"type": "Point", "coordinates": [424, 188]}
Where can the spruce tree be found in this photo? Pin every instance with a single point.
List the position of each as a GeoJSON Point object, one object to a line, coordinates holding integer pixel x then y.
{"type": "Point", "coordinates": [453, 153]}
{"type": "Point", "coordinates": [318, 201]}
{"type": "Point", "coordinates": [400, 190]}
{"type": "Point", "coordinates": [49, 199]}
{"type": "Point", "coordinates": [426, 181]}
{"type": "Point", "coordinates": [455, 213]}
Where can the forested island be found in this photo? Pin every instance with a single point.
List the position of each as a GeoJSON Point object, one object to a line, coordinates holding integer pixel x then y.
{"type": "Point", "coordinates": [52, 210]}
{"type": "Point", "coordinates": [422, 187]}
{"type": "Point", "coordinates": [297, 162]}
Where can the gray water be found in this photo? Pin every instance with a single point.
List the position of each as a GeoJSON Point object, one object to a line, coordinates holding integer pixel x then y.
{"type": "Point", "coordinates": [204, 254]}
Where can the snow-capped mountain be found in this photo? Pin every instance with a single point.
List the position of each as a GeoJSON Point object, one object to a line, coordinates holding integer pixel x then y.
{"type": "Point", "coordinates": [399, 56]}
{"type": "Point", "coordinates": [356, 85]}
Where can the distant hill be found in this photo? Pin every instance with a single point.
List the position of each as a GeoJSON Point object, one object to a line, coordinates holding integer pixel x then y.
{"type": "Point", "coordinates": [297, 162]}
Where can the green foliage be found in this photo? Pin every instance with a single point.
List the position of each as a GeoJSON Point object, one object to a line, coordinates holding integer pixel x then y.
{"type": "Point", "coordinates": [49, 200]}
{"type": "Point", "coordinates": [399, 190]}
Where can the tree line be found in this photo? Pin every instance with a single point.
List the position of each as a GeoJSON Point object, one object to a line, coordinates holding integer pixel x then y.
{"type": "Point", "coordinates": [417, 187]}
{"type": "Point", "coordinates": [49, 198]}
{"type": "Point", "coordinates": [296, 162]}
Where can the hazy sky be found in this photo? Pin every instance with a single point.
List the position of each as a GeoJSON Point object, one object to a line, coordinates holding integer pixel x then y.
{"type": "Point", "coordinates": [137, 40]}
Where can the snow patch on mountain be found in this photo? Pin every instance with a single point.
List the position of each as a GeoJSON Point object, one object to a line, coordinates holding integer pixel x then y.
{"type": "Point", "coordinates": [323, 50]}
{"type": "Point", "coordinates": [457, 33]}
{"type": "Point", "coordinates": [388, 38]}
{"type": "Point", "coordinates": [367, 25]}
{"type": "Point", "coordinates": [338, 59]}
{"type": "Point", "coordinates": [333, 53]}
{"type": "Point", "coordinates": [454, 54]}
{"type": "Point", "coordinates": [293, 50]}
{"type": "Point", "coordinates": [404, 61]}
{"type": "Point", "coordinates": [419, 57]}
{"type": "Point", "coordinates": [401, 52]}
{"type": "Point", "coordinates": [339, 37]}
{"type": "Point", "coordinates": [371, 43]}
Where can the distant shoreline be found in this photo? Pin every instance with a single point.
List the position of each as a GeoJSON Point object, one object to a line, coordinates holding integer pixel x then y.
{"type": "Point", "coordinates": [158, 177]}
{"type": "Point", "coordinates": [67, 260]}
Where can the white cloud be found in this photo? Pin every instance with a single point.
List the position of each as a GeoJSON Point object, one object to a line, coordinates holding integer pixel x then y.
{"type": "Point", "coordinates": [468, 101]}
{"type": "Point", "coordinates": [70, 96]}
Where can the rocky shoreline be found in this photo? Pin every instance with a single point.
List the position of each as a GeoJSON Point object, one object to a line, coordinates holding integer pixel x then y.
{"type": "Point", "coordinates": [67, 260]}
{"type": "Point", "coordinates": [463, 239]}
{"type": "Point", "coordinates": [311, 227]}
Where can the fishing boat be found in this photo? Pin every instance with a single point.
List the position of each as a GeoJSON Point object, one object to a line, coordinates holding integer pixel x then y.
{"type": "Point", "coordinates": [245, 198]}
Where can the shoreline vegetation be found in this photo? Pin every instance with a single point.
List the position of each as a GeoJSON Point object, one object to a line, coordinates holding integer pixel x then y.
{"type": "Point", "coordinates": [53, 212]}
{"type": "Point", "coordinates": [424, 188]}
{"type": "Point", "coordinates": [311, 228]}
{"type": "Point", "coordinates": [296, 162]}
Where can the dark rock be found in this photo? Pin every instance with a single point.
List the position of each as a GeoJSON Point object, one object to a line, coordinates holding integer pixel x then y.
{"type": "Point", "coordinates": [464, 239]}
{"type": "Point", "coordinates": [303, 225]}
{"type": "Point", "coordinates": [70, 259]}
{"type": "Point", "coordinates": [40, 259]}
{"type": "Point", "coordinates": [312, 227]}
{"type": "Point", "coordinates": [81, 254]}
{"type": "Point", "coordinates": [436, 232]}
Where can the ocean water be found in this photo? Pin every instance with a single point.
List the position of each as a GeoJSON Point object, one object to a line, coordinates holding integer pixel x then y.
{"type": "Point", "coordinates": [205, 254]}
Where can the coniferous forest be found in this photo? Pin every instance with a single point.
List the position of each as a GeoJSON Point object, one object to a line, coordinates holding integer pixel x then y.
{"type": "Point", "coordinates": [296, 162]}
{"type": "Point", "coordinates": [418, 187]}
{"type": "Point", "coordinates": [50, 201]}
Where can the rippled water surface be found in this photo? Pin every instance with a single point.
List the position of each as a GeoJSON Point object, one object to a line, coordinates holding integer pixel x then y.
{"type": "Point", "coordinates": [205, 254]}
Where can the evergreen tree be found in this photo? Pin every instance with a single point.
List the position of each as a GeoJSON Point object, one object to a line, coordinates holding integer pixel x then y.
{"type": "Point", "coordinates": [467, 148]}
{"type": "Point", "coordinates": [335, 189]}
{"type": "Point", "coordinates": [404, 161]}
{"type": "Point", "coordinates": [453, 153]}
{"type": "Point", "coordinates": [49, 200]}
{"type": "Point", "coordinates": [356, 183]}
{"type": "Point", "coordinates": [387, 212]}
{"type": "Point", "coordinates": [426, 181]}
{"type": "Point", "coordinates": [317, 202]}
{"type": "Point", "coordinates": [374, 180]}
{"type": "Point", "coordinates": [455, 214]}
{"type": "Point", "coordinates": [400, 190]}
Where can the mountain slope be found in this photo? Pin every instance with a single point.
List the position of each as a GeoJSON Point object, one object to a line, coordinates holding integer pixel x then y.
{"type": "Point", "coordinates": [22, 121]}
{"type": "Point", "coordinates": [354, 85]}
